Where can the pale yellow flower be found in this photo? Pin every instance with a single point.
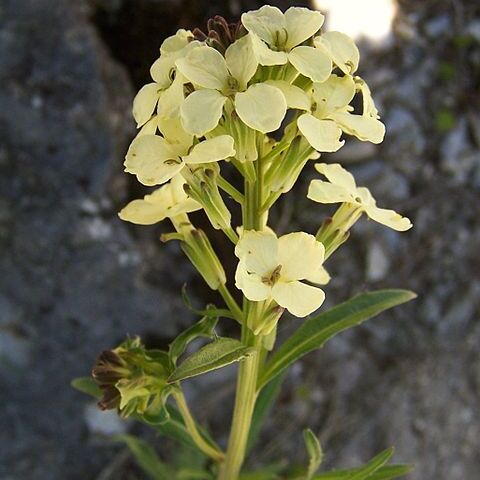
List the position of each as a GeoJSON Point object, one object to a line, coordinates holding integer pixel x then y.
{"type": "Point", "coordinates": [155, 160]}
{"type": "Point", "coordinates": [163, 72]}
{"type": "Point", "coordinates": [341, 188]}
{"type": "Point", "coordinates": [273, 268]}
{"type": "Point", "coordinates": [260, 106]}
{"type": "Point", "coordinates": [284, 33]}
{"type": "Point", "coordinates": [168, 201]}
{"type": "Point", "coordinates": [330, 114]}
{"type": "Point", "coordinates": [341, 49]}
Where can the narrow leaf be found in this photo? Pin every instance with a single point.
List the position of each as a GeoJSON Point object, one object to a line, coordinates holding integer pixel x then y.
{"type": "Point", "coordinates": [388, 472]}
{"type": "Point", "coordinates": [87, 385]}
{"type": "Point", "coordinates": [217, 354]}
{"type": "Point", "coordinates": [373, 465]}
{"type": "Point", "coordinates": [317, 330]}
{"type": "Point", "coordinates": [203, 328]}
{"type": "Point", "coordinates": [263, 405]}
{"type": "Point", "coordinates": [314, 451]}
{"type": "Point", "coordinates": [146, 457]}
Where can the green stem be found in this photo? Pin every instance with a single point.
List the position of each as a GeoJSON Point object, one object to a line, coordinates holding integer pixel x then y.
{"type": "Point", "coordinates": [231, 303]}
{"type": "Point", "coordinates": [192, 429]}
{"type": "Point", "coordinates": [228, 188]}
{"type": "Point", "coordinates": [249, 368]}
{"type": "Point", "coordinates": [243, 412]}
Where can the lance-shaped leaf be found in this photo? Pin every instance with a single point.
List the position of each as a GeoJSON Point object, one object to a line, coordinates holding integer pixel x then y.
{"type": "Point", "coordinates": [203, 328]}
{"type": "Point", "coordinates": [146, 458]}
{"type": "Point", "coordinates": [373, 465]}
{"type": "Point", "coordinates": [317, 330]}
{"type": "Point", "coordinates": [217, 354]}
{"type": "Point", "coordinates": [315, 453]}
{"type": "Point", "coordinates": [375, 469]}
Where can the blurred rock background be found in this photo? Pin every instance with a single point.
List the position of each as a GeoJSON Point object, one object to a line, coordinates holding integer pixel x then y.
{"type": "Point", "coordinates": [75, 280]}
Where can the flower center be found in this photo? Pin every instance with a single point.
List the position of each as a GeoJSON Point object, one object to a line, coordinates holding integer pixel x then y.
{"type": "Point", "coordinates": [232, 85]}
{"type": "Point", "coordinates": [272, 279]}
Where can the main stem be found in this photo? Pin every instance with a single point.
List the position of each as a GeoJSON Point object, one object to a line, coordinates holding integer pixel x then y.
{"type": "Point", "coordinates": [249, 368]}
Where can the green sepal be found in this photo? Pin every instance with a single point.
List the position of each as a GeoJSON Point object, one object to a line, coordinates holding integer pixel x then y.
{"type": "Point", "coordinates": [217, 354]}
{"type": "Point", "coordinates": [318, 329]}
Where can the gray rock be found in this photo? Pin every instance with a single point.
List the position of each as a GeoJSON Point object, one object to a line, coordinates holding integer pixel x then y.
{"type": "Point", "coordinates": [378, 262]}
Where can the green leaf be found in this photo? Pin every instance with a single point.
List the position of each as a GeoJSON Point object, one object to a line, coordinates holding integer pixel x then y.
{"type": "Point", "coordinates": [203, 328]}
{"type": "Point", "coordinates": [390, 472]}
{"type": "Point", "coordinates": [315, 453]}
{"type": "Point", "coordinates": [146, 457]}
{"type": "Point", "coordinates": [375, 469]}
{"type": "Point", "coordinates": [263, 405]}
{"type": "Point", "coordinates": [317, 330]}
{"type": "Point", "coordinates": [87, 385]}
{"type": "Point", "coordinates": [373, 465]}
{"type": "Point", "coordinates": [217, 354]}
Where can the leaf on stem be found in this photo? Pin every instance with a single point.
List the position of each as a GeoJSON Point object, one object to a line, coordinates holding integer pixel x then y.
{"type": "Point", "coordinates": [217, 354]}
{"type": "Point", "coordinates": [203, 328]}
{"type": "Point", "coordinates": [318, 329]}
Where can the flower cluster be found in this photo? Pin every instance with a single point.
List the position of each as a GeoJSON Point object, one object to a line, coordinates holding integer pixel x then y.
{"type": "Point", "coordinates": [265, 95]}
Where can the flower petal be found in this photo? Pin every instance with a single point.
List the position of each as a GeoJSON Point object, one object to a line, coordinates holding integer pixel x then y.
{"type": "Point", "coordinates": [241, 60]}
{"type": "Point", "coordinates": [364, 128]}
{"type": "Point", "coordinates": [320, 276]}
{"type": "Point", "coordinates": [265, 56]}
{"type": "Point", "coordinates": [300, 256]}
{"type": "Point", "coordinates": [389, 218]}
{"type": "Point", "coordinates": [258, 251]}
{"type": "Point", "coordinates": [302, 23]}
{"type": "Point", "coordinates": [295, 96]}
{"type": "Point", "coordinates": [265, 22]}
{"type": "Point", "coordinates": [173, 131]}
{"type": "Point", "coordinates": [150, 128]}
{"type": "Point", "coordinates": [171, 100]}
{"type": "Point", "coordinates": [176, 42]}
{"type": "Point", "coordinates": [251, 284]}
{"type": "Point", "coordinates": [337, 175]}
{"type": "Point", "coordinates": [333, 94]}
{"type": "Point", "coordinates": [299, 299]}
{"type": "Point", "coordinates": [162, 203]}
{"type": "Point", "coordinates": [211, 150]}
{"type": "Point", "coordinates": [206, 67]}
{"type": "Point", "coordinates": [161, 71]}
{"type": "Point", "coordinates": [325, 192]}
{"type": "Point", "coordinates": [201, 111]}
{"type": "Point", "coordinates": [145, 102]}
{"type": "Point", "coordinates": [262, 107]}
{"type": "Point", "coordinates": [341, 49]}
{"type": "Point", "coordinates": [311, 62]}
{"type": "Point", "coordinates": [323, 135]}
{"type": "Point", "coordinates": [152, 160]}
